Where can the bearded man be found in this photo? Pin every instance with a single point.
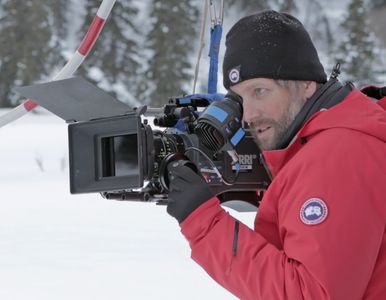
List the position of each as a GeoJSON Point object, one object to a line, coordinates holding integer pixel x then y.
{"type": "Point", "coordinates": [320, 229]}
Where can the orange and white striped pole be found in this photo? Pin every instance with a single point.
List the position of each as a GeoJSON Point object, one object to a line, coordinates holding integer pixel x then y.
{"type": "Point", "coordinates": [72, 65]}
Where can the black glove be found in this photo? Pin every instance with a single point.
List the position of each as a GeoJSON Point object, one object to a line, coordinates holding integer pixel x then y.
{"type": "Point", "coordinates": [188, 190]}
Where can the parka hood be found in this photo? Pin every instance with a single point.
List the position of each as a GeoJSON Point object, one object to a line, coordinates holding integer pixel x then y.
{"type": "Point", "coordinates": [357, 112]}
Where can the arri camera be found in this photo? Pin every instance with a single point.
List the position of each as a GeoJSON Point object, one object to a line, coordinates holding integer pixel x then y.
{"type": "Point", "coordinates": [114, 150]}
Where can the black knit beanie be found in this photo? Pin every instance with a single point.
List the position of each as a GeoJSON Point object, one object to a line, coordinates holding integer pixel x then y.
{"type": "Point", "coordinates": [273, 45]}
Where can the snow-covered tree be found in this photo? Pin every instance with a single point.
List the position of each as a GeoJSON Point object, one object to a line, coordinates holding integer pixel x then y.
{"type": "Point", "coordinates": [170, 41]}
{"type": "Point", "coordinates": [313, 15]}
{"type": "Point", "coordinates": [114, 60]}
{"type": "Point", "coordinates": [357, 51]}
{"type": "Point", "coordinates": [252, 6]}
{"type": "Point", "coordinates": [26, 51]}
{"type": "Point", "coordinates": [287, 6]}
{"type": "Point", "coordinates": [378, 3]}
{"type": "Point", "coordinates": [248, 6]}
{"type": "Point", "coordinates": [59, 11]}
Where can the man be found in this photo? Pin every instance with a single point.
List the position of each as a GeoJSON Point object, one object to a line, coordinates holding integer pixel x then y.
{"type": "Point", "coordinates": [320, 229]}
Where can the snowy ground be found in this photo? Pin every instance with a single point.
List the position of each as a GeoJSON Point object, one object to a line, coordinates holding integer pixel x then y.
{"type": "Point", "coordinates": [54, 245]}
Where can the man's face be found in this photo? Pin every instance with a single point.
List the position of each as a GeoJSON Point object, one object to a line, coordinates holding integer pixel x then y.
{"type": "Point", "coordinates": [269, 108]}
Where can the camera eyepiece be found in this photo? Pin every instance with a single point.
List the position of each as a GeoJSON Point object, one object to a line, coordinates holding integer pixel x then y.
{"type": "Point", "coordinates": [220, 123]}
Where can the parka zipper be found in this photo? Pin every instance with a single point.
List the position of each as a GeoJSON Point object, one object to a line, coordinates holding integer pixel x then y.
{"type": "Point", "coordinates": [235, 238]}
{"type": "Point", "coordinates": [264, 163]}
{"type": "Point", "coordinates": [234, 245]}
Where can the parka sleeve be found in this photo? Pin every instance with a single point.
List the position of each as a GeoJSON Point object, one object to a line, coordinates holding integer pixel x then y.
{"type": "Point", "coordinates": [331, 260]}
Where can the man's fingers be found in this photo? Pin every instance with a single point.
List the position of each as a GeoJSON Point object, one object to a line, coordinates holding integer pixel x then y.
{"type": "Point", "coordinates": [177, 184]}
{"type": "Point", "coordinates": [178, 170]}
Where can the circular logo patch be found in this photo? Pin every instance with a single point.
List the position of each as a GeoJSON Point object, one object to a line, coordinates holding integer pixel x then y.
{"type": "Point", "coordinates": [314, 211]}
{"type": "Point", "coordinates": [234, 75]}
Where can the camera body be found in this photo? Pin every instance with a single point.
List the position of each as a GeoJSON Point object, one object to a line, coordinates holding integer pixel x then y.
{"type": "Point", "coordinates": [125, 159]}
{"type": "Point", "coordinates": [114, 151]}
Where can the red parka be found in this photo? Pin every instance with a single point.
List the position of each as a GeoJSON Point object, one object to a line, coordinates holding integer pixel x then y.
{"type": "Point", "coordinates": [335, 249]}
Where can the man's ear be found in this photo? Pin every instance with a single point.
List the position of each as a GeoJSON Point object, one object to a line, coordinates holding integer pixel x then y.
{"type": "Point", "coordinates": [310, 89]}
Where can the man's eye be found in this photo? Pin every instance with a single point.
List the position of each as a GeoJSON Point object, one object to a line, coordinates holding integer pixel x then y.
{"type": "Point", "coordinates": [259, 91]}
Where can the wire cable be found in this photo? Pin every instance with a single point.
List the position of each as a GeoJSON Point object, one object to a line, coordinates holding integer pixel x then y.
{"type": "Point", "coordinates": [227, 182]}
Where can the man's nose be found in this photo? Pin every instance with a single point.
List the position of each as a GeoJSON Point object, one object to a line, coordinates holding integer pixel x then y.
{"type": "Point", "coordinates": [249, 111]}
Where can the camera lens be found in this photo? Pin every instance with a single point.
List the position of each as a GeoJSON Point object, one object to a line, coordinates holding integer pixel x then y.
{"type": "Point", "coordinates": [165, 144]}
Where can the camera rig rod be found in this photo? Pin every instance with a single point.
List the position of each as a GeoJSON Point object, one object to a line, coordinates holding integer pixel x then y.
{"type": "Point", "coordinates": [72, 65]}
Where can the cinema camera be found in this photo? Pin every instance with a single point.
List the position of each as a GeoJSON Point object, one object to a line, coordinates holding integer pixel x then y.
{"type": "Point", "coordinates": [113, 149]}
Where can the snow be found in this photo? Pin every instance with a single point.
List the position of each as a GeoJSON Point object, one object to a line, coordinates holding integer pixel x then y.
{"type": "Point", "coordinates": [54, 245]}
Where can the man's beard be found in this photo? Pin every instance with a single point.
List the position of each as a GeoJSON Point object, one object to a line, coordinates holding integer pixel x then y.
{"type": "Point", "coordinates": [279, 127]}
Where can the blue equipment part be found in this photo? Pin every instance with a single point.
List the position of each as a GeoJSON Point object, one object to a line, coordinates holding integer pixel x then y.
{"type": "Point", "coordinates": [215, 40]}
{"type": "Point", "coordinates": [181, 126]}
{"type": "Point", "coordinates": [217, 112]}
{"type": "Point", "coordinates": [237, 137]}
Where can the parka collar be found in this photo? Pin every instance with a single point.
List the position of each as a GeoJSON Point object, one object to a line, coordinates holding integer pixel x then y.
{"type": "Point", "coordinates": [353, 113]}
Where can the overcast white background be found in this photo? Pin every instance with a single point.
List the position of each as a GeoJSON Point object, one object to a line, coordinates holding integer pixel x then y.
{"type": "Point", "coordinates": [54, 245]}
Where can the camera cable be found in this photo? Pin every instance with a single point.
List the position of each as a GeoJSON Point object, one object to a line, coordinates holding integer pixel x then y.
{"type": "Point", "coordinates": [226, 181]}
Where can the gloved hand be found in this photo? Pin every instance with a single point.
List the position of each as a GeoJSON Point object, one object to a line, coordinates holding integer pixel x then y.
{"type": "Point", "coordinates": [188, 190]}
